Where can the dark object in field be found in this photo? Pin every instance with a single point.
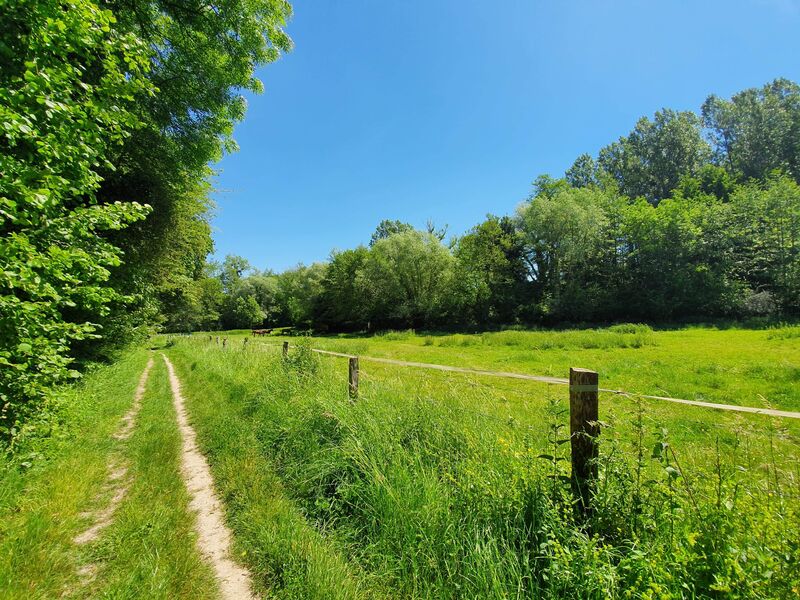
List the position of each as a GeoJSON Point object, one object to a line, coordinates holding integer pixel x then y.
{"type": "Point", "coordinates": [583, 429]}
{"type": "Point", "coordinates": [261, 332]}
{"type": "Point", "coordinates": [353, 377]}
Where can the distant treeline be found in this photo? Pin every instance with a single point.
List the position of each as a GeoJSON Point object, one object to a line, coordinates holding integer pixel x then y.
{"type": "Point", "coordinates": [687, 216]}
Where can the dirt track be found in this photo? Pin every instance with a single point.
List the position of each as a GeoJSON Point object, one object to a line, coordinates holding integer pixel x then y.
{"type": "Point", "coordinates": [214, 537]}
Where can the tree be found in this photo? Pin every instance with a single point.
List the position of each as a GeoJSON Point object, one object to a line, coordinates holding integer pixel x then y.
{"type": "Point", "coordinates": [583, 172]}
{"type": "Point", "coordinates": [651, 160]}
{"type": "Point", "coordinates": [231, 271]}
{"type": "Point", "coordinates": [340, 304]}
{"type": "Point", "coordinates": [200, 58]}
{"type": "Point", "coordinates": [264, 288]}
{"type": "Point", "coordinates": [491, 279]}
{"type": "Point", "coordinates": [60, 120]}
{"type": "Point", "coordinates": [109, 113]}
{"type": "Point", "coordinates": [765, 229]}
{"type": "Point", "coordinates": [563, 236]}
{"type": "Point", "coordinates": [241, 312]}
{"type": "Point", "coordinates": [757, 130]}
{"type": "Point", "coordinates": [298, 290]}
{"type": "Point", "coordinates": [406, 280]}
{"type": "Point", "coordinates": [675, 264]}
{"type": "Point", "coordinates": [711, 180]}
{"type": "Point", "coordinates": [387, 228]}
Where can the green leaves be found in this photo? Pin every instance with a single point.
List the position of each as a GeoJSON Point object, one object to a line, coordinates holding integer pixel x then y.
{"type": "Point", "coordinates": [59, 122]}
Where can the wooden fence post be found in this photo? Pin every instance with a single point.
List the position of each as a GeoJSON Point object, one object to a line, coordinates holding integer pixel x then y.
{"type": "Point", "coordinates": [285, 349]}
{"type": "Point", "coordinates": [217, 340]}
{"type": "Point", "coordinates": [244, 344]}
{"type": "Point", "coordinates": [353, 377]}
{"type": "Point", "coordinates": [224, 342]}
{"type": "Point", "coordinates": [583, 429]}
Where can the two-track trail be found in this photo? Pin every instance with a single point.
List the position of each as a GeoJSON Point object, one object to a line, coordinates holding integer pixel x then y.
{"type": "Point", "coordinates": [214, 537]}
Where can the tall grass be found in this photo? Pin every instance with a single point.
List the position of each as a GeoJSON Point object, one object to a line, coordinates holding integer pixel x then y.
{"type": "Point", "coordinates": [784, 333]}
{"type": "Point", "coordinates": [450, 488]}
{"type": "Point", "coordinates": [617, 336]}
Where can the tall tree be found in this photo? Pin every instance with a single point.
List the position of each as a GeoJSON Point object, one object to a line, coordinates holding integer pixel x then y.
{"type": "Point", "coordinates": [340, 304]}
{"type": "Point", "coordinates": [201, 58]}
{"type": "Point", "coordinates": [758, 130]}
{"type": "Point", "coordinates": [406, 279]}
{"type": "Point", "coordinates": [765, 228]}
{"type": "Point", "coordinates": [563, 235]}
{"type": "Point", "coordinates": [60, 121]}
{"type": "Point", "coordinates": [651, 160]}
{"type": "Point", "coordinates": [583, 172]}
{"type": "Point", "coordinates": [386, 228]}
{"type": "Point", "coordinates": [298, 290]}
{"type": "Point", "coordinates": [491, 278]}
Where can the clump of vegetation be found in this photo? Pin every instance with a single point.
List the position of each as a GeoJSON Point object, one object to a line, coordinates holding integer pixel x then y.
{"type": "Point", "coordinates": [784, 333]}
{"type": "Point", "coordinates": [397, 336]}
{"type": "Point", "coordinates": [441, 489]}
{"type": "Point", "coordinates": [611, 337]}
{"type": "Point", "coordinates": [301, 359]}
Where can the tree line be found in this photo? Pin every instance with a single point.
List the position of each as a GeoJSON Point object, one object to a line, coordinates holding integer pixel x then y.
{"type": "Point", "coordinates": [110, 114]}
{"type": "Point", "coordinates": [689, 215]}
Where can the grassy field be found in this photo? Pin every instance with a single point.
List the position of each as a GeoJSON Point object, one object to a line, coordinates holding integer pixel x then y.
{"type": "Point", "coordinates": [432, 484]}
{"type": "Point", "coordinates": [730, 366]}
{"type": "Point", "coordinates": [440, 485]}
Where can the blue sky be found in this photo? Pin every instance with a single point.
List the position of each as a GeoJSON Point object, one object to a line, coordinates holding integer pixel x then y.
{"type": "Point", "coordinates": [448, 109]}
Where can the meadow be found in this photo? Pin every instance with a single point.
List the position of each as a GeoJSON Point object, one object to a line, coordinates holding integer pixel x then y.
{"type": "Point", "coordinates": [443, 485]}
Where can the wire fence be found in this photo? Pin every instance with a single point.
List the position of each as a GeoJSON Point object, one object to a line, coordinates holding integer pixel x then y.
{"type": "Point", "coordinates": [557, 381]}
{"type": "Point", "coordinates": [380, 388]}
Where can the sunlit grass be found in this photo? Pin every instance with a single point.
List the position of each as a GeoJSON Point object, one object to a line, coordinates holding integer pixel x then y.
{"type": "Point", "coordinates": [148, 549]}
{"type": "Point", "coordinates": [446, 485]}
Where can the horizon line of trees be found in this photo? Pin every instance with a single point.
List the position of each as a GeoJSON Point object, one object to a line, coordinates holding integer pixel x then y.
{"type": "Point", "coordinates": [689, 215]}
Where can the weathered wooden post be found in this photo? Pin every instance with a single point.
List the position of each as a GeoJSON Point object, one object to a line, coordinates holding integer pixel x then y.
{"type": "Point", "coordinates": [244, 344]}
{"type": "Point", "coordinates": [209, 338]}
{"type": "Point", "coordinates": [285, 349]}
{"type": "Point", "coordinates": [583, 429]}
{"type": "Point", "coordinates": [217, 340]}
{"type": "Point", "coordinates": [224, 342]}
{"type": "Point", "coordinates": [353, 377]}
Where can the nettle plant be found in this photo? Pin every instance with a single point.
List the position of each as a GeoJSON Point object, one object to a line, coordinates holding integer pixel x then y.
{"type": "Point", "coordinates": [67, 83]}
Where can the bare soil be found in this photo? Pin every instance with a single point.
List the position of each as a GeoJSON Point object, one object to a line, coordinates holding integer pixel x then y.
{"type": "Point", "coordinates": [214, 537]}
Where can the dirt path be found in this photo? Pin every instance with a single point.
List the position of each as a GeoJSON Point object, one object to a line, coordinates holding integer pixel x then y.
{"type": "Point", "coordinates": [117, 481]}
{"type": "Point", "coordinates": [214, 538]}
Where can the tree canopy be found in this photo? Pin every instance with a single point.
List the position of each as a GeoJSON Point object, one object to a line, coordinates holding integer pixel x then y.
{"type": "Point", "coordinates": [110, 114]}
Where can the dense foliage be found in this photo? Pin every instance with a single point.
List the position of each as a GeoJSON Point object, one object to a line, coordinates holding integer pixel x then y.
{"type": "Point", "coordinates": [109, 116]}
{"type": "Point", "coordinates": [687, 216]}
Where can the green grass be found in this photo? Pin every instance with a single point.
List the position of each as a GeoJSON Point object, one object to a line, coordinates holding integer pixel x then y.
{"type": "Point", "coordinates": [432, 484]}
{"type": "Point", "coordinates": [730, 366]}
{"type": "Point", "coordinates": [148, 550]}
{"type": "Point", "coordinates": [439, 485]}
{"type": "Point", "coordinates": [286, 555]}
{"type": "Point", "coordinates": [39, 507]}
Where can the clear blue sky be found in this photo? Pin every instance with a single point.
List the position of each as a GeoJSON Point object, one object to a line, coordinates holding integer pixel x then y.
{"type": "Point", "coordinates": [448, 109]}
